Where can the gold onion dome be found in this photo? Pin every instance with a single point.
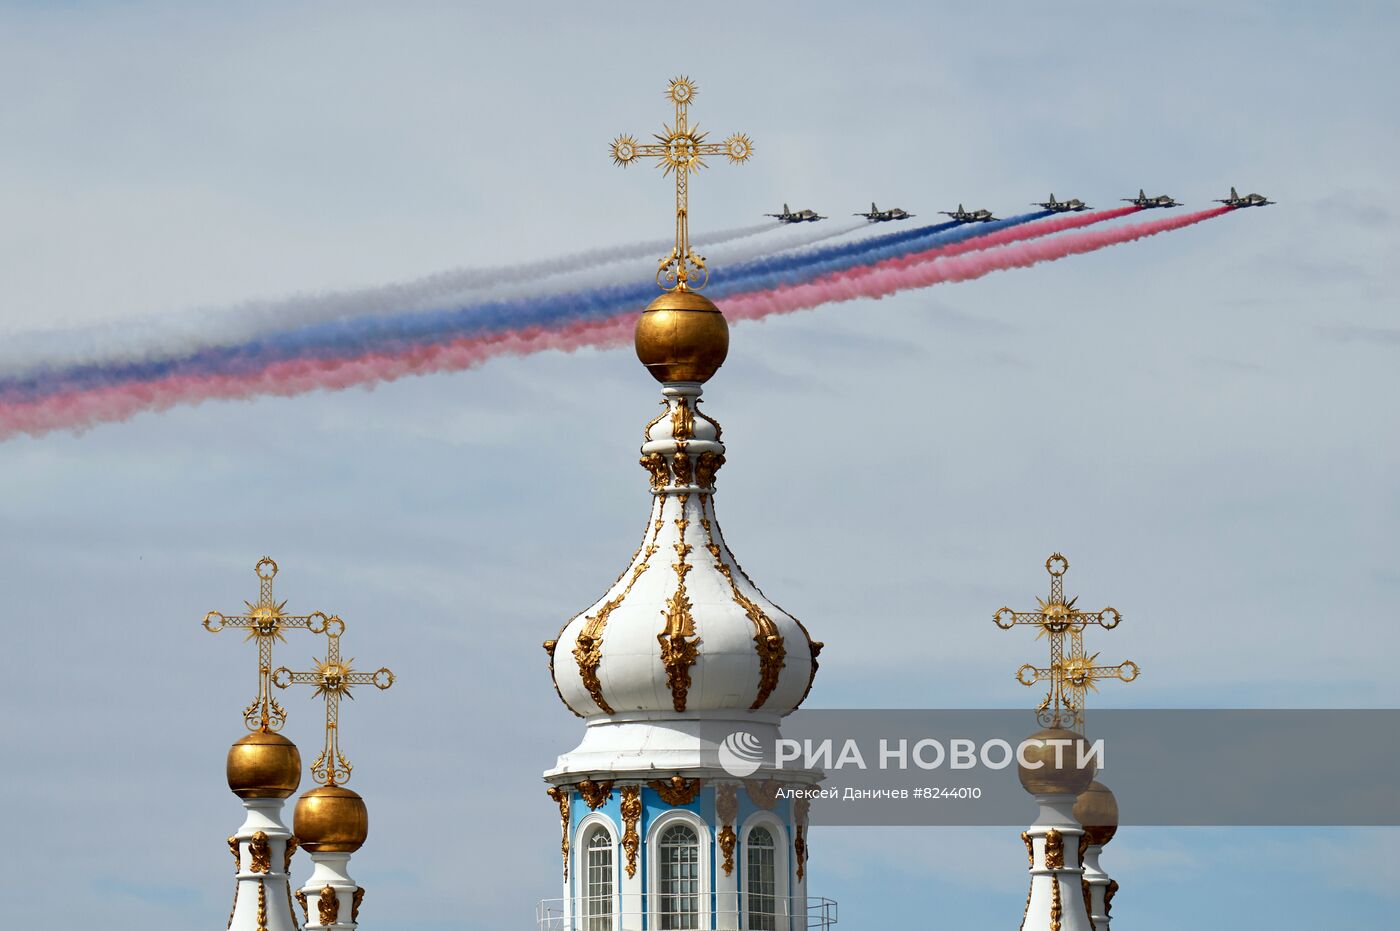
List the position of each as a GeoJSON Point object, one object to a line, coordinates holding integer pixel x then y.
{"type": "Point", "coordinates": [682, 336]}
{"type": "Point", "coordinates": [263, 765]}
{"type": "Point", "coordinates": [331, 818]}
{"type": "Point", "coordinates": [1097, 810]}
{"type": "Point", "coordinates": [1070, 777]}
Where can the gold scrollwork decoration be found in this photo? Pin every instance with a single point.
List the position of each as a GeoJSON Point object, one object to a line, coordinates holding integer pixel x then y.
{"type": "Point", "coordinates": [1054, 849]}
{"type": "Point", "coordinates": [631, 808]}
{"type": "Point", "coordinates": [292, 843]}
{"type": "Point", "coordinates": [1083, 845]}
{"type": "Point", "coordinates": [682, 467]}
{"type": "Point", "coordinates": [1056, 908]}
{"type": "Point", "coordinates": [679, 644]}
{"type": "Point", "coordinates": [233, 849]}
{"type": "Point", "coordinates": [595, 793]}
{"type": "Point", "coordinates": [682, 421]}
{"type": "Point", "coordinates": [799, 849]}
{"type": "Point", "coordinates": [655, 464]}
{"type": "Point", "coordinates": [355, 903]}
{"type": "Point", "coordinates": [1030, 849]}
{"type": "Point", "coordinates": [706, 467]}
{"type": "Point", "coordinates": [677, 790]}
{"type": "Point", "coordinates": [262, 905]}
{"type": "Point", "coordinates": [261, 853]}
{"type": "Point", "coordinates": [727, 840]}
{"type": "Point", "coordinates": [327, 905]}
{"type": "Point", "coordinates": [305, 909]}
{"type": "Point", "coordinates": [1087, 892]}
{"type": "Point", "coordinates": [561, 796]}
{"type": "Point", "coordinates": [763, 794]}
{"type": "Point", "coordinates": [1108, 893]}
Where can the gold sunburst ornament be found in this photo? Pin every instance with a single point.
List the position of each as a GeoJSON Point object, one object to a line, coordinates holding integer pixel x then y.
{"type": "Point", "coordinates": [266, 621]}
{"type": "Point", "coordinates": [1070, 677]}
{"type": "Point", "coordinates": [680, 150]}
{"type": "Point", "coordinates": [332, 679]}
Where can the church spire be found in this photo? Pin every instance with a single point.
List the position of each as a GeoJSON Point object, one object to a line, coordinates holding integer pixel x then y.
{"type": "Point", "coordinates": [263, 769]}
{"type": "Point", "coordinates": [682, 656]}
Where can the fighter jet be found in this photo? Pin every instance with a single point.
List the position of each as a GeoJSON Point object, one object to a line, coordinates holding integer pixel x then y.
{"type": "Point", "coordinates": [1142, 200]}
{"type": "Point", "coordinates": [800, 216]}
{"type": "Point", "coordinates": [969, 216]}
{"type": "Point", "coordinates": [876, 215]}
{"type": "Point", "coordinates": [1248, 200]}
{"type": "Point", "coordinates": [1073, 205]}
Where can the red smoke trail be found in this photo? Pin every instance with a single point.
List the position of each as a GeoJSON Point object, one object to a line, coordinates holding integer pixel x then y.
{"type": "Point", "coordinates": [877, 281]}
{"type": "Point", "coordinates": [82, 409]}
{"type": "Point", "coordinates": [1036, 230]}
{"type": "Point", "coordinates": [298, 376]}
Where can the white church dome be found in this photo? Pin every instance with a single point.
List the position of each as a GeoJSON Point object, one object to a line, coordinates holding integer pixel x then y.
{"type": "Point", "coordinates": [683, 629]}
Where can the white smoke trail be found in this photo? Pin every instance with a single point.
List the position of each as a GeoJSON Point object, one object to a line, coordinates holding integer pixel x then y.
{"type": "Point", "coordinates": [177, 334]}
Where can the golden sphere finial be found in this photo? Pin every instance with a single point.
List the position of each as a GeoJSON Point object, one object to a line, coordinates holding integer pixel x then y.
{"type": "Point", "coordinates": [1097, 810]}
{"type": "Point", "coordinates": [263, 764]}
{"type": "Point", "coordinates": [331, 818]}
{"type": "Point", "coordinates": [1062, 769]}
{"type": "Point", "coordinates": [682, 336]}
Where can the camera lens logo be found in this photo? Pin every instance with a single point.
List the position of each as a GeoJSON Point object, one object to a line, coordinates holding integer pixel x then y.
{"type": "Point", "coordinates": [741, 754]}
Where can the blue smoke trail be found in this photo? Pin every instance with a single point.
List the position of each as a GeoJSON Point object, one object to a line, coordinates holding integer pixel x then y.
{"type": "Point", "coordinates": [339, 338]}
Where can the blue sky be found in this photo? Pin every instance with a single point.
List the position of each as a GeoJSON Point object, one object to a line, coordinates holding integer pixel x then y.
{"type": "Point", "coordinates": [1199, 421]}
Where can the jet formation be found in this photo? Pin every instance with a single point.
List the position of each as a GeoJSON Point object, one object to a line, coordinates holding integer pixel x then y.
{"type": "Point", "coordinates": [1071, 205]}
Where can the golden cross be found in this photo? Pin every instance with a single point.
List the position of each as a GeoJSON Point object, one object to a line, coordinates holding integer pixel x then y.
{"type": "Point", "coordinates": [265, 621]}
{"type": "Point", "coordinates": [680, 149]}
{"type": "Point", "coordinates": [332, 677]}
{"type": "Point", "coordinates": [1069, 678]}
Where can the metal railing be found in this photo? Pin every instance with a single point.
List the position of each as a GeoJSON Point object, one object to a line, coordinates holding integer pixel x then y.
{"type": "Point", "coordinates": [630, 913]}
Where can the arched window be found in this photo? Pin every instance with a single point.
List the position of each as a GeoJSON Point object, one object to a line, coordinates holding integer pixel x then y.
{"type": "Point", "coordinates": [761, 855]}
{"type": "Point", "coordinates": [598, 881]}
{"type": "Point", "coordinates": [679, 882]}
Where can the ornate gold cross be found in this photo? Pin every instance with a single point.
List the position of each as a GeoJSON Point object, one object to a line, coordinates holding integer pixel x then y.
{"type": "Point", "coordinates": [1070, 678]}
{"type": "Point", "coordinates": [680, 150]}
{"type": "Point", "coordinates": [332, 678]}
{"type": "Point", "coordinates": [265, 622]}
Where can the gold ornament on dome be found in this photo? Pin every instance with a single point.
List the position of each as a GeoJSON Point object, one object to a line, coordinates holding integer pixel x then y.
{"type": "Point", "coordinates": [680, 150]}
{"type": "Point", "coordinates": [333, 679]}
{"type": "Point", "coordinates": [327, 905]}
{"type": "Point", "coordinates": [595, 794]}
{"type": "Point", "coordinates": [1070, 677]}
{"type": "Point", "coordinates": [677, 790]}
{"type": "Point", "coordinates": [631, 809]}
{"type": "Point", "coordinates": [262, 905]}
{"type": "Point", "coordinates": [561, 797]}
{"type": "Point", "coordinates": [763, 794]}
{"type": "Point", "coordinates": [265, 622]}
{"type": "Point", "coordinates": [1054, 849]}
{"type": "Point", "coordinates": [260, 853]}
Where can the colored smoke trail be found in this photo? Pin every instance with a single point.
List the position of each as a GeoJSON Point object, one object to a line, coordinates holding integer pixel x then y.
{"type": "Point", "coordinates": [400, 331]}
{"type": "Point", "coordinates": [876, 282]}
{"type": "Point", "coordinates": [175, 335]}
{"type": "Point", "coordinates": [81, 408]}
